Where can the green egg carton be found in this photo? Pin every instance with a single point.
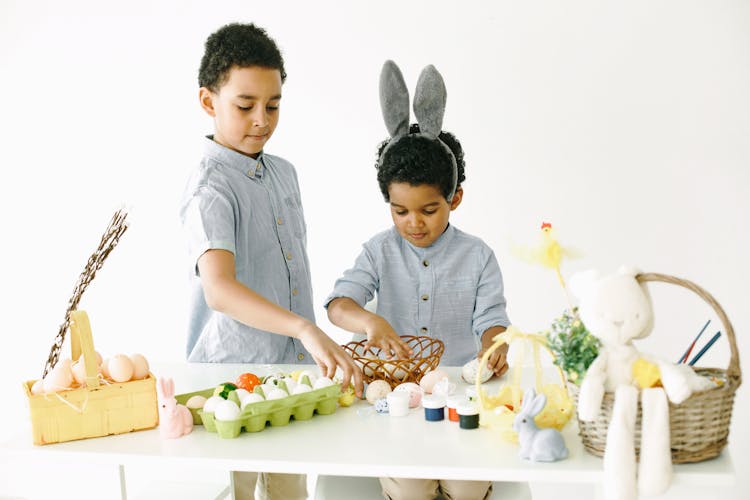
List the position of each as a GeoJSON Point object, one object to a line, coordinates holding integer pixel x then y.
{"type": "Point", "coordinates": [277, 412]}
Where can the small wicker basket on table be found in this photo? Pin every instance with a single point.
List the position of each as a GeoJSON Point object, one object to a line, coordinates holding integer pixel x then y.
{"type": "Point", "coordinates": [426, 357]}
{"type": "Point", "coordinates": [699, 426]}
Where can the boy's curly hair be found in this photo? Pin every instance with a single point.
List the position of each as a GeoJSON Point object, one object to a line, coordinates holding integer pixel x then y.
{"type": "Point", "coordinates": [236, 44]}
{"type": "Point", "coordinates": [420, 160]}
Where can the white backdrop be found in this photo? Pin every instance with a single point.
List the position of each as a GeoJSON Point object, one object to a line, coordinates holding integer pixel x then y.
{"type": "Point", "coordinates": [626, 125]}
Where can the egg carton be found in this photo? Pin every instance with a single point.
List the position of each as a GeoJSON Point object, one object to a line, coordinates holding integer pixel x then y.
{"type": "Point", "coordinates": [278, 412]}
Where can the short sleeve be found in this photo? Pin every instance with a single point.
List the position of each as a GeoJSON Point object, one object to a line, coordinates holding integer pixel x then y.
{"type": "Point", "coordinates": [489, 309]}
{"type": "Point", "coordinates": [358, 283]}
{"type": "Point", "coordinates": [208, 223]}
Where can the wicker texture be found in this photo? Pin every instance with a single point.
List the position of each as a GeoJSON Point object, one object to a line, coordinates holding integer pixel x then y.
{"type": "Point", "coordinates": [426, 356]}
{"type": "Point", "coordinates": [699, 426]}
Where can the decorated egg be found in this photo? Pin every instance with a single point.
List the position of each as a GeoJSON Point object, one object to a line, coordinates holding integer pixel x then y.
{"type": "Point", "coordinates": [377, 389]}
{"type": "Point", "coordinates": [430, 379]}
{"type": "Point", "coordinates": [196, 402]}
{"type": "Point", "coordinates": [227, 410]}
{"type": "Point", "coordinates": [415, 393]}
{"type": "Point", "coordinates": [470, 369]}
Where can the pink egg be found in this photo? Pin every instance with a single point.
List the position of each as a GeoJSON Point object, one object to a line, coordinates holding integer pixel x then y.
{"type": "Point", "coordinates": [120, 368]}
{"type": "Point", "coordinates": [140, 366]}
{"type": "Point", "coordinates": [430, 379]}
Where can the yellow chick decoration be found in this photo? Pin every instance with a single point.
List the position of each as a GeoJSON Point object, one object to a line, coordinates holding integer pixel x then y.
{"type": "Point", "coordinates": [548, 253]}
{"type": "Point", "coordinates": [347, 396]}
{"type": "Point", "coordinates": [646, 374]}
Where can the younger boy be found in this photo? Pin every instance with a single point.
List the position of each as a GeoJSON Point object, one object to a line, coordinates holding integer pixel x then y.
{"type": "Point", "coordinates": [241, 211]}
{"type": "Point", "coordinates": [431, 278]}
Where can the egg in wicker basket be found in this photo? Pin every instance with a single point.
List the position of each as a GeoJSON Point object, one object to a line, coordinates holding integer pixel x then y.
{"type": "Point", "coordinates": [426, 353]}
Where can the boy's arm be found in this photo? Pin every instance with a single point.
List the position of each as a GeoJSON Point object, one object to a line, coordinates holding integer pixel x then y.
{"type": "Point", "coordinates": [498, 361]}
{"type": "Point", "coordinates": [347, 314]}
{"type": "Point", "coordinates": [225, 294]}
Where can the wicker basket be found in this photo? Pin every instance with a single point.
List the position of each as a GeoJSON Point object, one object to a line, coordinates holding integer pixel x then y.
{"type": "Point", "coordinates": [699, 426]}
{"type": "Point", "coordinates": [95, 410]}
{"type": "Point", "coordinates": [426, 356]}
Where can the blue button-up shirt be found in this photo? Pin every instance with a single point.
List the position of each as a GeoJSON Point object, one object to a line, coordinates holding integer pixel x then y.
{"type": "Point", "coordinates": [251, 208]}
{"type": "Point", "coordinates": [451, 290]}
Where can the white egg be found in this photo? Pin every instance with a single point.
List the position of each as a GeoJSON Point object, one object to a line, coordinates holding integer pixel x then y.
{"type": "Point", "coordinates": [322, 382]}
{"type": "Point", "coordinates": [250, 399]}
{"type": "Point", "coordinates": [38, 387]}
{"type": "Point", "coordinates": [301, 388]}
{"type": "Point", "coordinates": [196, 402]}
{"type": "Point", "coordinates": [312, 376]}
{"type": "Point", "coordinates": [79, 371]}
{"type": "Point", "coordinates": [120, 368]}
{"type": "Point", "coordinates": [267, 388]}
{"type": "Point", "coordinates": [290, 383]}
{"type": "Point", "coordinates": [60, 377]}
{"type": "Point", "coordinates": [140, 366]}
{"type": "Point", "coordinates": [211, 403]}
{"type": "Point", "coordinates": [276, 393]}
{"type": "Point", "coordinates": [430, 379]}
{"type": "Point", "coordinates": [241, 393]}
{"type": "Point", "coordinates": [227, 410]}
{"type": "Point", "coordinates": [395, 370]}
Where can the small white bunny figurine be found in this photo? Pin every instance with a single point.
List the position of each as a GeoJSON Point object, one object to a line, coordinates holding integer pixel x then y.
{"type": "Point", "coordinates": [175, 419]}
{"type": "Point", "coordinates": [538, 445]}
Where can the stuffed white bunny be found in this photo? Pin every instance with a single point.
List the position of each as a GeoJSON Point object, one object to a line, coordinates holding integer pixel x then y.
{"type": "Point", "coordinates": [617, 309]}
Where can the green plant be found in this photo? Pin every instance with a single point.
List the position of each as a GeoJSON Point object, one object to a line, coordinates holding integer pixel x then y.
{"type": "Point", "coordinates": [573, 345]}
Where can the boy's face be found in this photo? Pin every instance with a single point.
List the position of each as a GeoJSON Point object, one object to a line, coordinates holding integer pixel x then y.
{"type": "Point", "coordinates": [245, 108]}
{"type": "Point", "coordinates": [420, 213]}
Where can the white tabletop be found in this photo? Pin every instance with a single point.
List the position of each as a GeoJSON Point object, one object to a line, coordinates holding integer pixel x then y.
{"type": "Point", "coordinates": [352, 441]}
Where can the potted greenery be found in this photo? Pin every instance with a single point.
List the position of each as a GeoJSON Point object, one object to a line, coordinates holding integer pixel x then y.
{"type": "Point", "coordinates": [573, 345]}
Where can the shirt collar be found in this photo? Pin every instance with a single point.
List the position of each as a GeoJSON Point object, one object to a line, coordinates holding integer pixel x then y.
{"type": "Point", "coordinates": [251, 167]}
{"type": "Point", "coordinates": [437, 246]}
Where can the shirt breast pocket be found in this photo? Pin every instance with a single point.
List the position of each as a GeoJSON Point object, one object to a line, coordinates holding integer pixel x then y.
{"type": "Point", "coordinates": [293, 214]}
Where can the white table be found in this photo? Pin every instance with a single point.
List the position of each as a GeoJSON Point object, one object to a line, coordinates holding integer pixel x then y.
{"type": "Point", "coordinates": [351, 442]}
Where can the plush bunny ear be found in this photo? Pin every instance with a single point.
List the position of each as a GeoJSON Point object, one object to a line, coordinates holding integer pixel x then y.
{"type": "Point", "coordinates": [429, 101]}
{"type": "Point", "coordinates": [394, 100]}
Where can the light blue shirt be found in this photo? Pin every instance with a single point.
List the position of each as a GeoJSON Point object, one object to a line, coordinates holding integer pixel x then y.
{"type": "Point", "coordinates": [251, 208]}
{"type": "Point", "coordinates": [451, 290]}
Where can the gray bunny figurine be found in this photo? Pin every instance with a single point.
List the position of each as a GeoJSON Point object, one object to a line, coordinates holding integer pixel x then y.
{"type": "Point", "coordinates": [538, 445]}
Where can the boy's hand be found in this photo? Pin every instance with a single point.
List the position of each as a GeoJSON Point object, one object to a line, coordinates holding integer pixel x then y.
{"type": "Point", "coordinates": [380, 334]}
{"type": "Point", "coordinates": [328, 355]}
{"type": "Point", "coordinates": [498, 361]}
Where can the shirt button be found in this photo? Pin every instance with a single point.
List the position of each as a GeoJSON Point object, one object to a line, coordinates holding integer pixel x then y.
{"type": "Point", "coordinates": [300, 356]}
{"type": "Point", "coordinates": [279, 221]}
{"type": "Point", "coordinates": [289, 256]}
{"type": "Point", "coordinates": [425, 297]}
{"type": "Point", "coordinates": [425, 263]}
{"type": "Point", "coordinates": [251, 172]}
{"type": "Point", "coordinates": [295, 292]}
{"type": "Point", "coordinates": [423, 329]}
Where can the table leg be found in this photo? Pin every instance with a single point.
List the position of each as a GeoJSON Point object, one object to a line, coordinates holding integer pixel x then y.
{"type": "Point", "coordinates": [123, 489]}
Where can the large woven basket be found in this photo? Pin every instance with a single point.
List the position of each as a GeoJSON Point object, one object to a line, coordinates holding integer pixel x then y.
{"type": "Point", "coordinates": [426, 356]}
{"type": "Point", "coordinates": [699, 426]}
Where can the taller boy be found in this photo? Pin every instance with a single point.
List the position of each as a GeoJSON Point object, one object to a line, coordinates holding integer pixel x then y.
{"type": "Point", "coordinates": [251, 293]}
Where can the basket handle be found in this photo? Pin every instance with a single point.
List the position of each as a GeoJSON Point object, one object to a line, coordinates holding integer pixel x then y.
{"type": "Point", "coordinates": [733, 370]}
{"type": "Point", "coordinates": [81, 342]}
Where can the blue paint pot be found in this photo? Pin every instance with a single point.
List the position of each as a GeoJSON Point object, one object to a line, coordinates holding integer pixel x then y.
{"type": "Point", "coordinates": [434, 407]}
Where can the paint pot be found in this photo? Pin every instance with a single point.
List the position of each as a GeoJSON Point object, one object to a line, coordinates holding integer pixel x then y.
{"type": "Point", "coordinates": [468, 416]}
{"type": "Point", "coordinates": [471, 393]}
{"type": "Point", "coordinates": [453, 403]}
{"type": "Point", "coordinates": [398, 403]}
{"type": "Point", "coordinates": [434, 407]}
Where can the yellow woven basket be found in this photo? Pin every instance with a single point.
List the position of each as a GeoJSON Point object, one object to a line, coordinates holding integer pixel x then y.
{"type": "Point", "coordinates": [98, 409]}
{"type": "Point", "coordinates": [499, 410]}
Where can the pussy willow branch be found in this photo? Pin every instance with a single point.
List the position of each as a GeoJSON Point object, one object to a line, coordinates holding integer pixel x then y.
{"type": "Point", "coordinates": [117, 226]}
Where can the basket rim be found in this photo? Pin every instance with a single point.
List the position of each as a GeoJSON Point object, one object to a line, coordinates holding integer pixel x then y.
{"type": "Point", "coordinates": [733, 370]}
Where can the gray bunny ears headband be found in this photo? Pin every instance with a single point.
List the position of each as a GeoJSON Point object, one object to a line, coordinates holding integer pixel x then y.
{"type": "Point", "coordinates": [429, 108]}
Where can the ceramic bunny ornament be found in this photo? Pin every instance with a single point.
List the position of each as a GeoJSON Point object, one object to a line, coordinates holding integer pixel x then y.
{"type": "Point", "coordinates": [538, 445]}
{"type": "Point", "coordinates": [617, 310]}
{"type": "Point", "coordinates": [175, 419]}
